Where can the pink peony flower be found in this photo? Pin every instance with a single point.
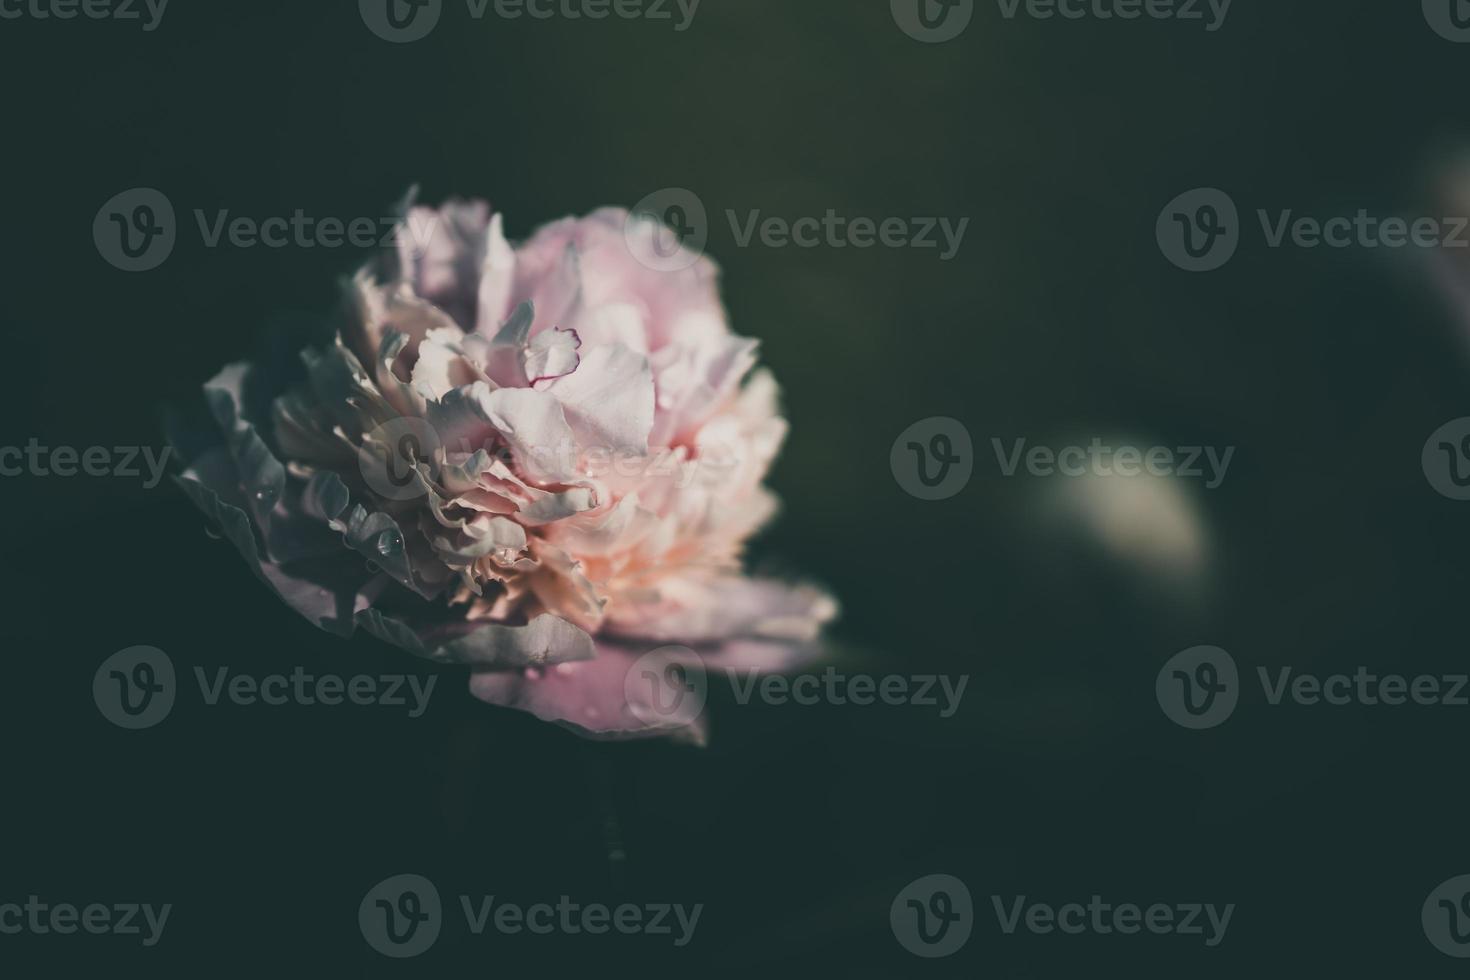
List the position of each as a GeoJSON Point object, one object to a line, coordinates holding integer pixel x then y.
{"type": "Point", "coordinates": [542, 461]}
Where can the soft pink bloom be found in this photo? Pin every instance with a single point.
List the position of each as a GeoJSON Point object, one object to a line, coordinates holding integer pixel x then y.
{"type": "Point", "coordinates": [551, 454]}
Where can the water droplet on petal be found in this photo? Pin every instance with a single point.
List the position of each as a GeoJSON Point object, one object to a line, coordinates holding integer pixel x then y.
{"type": "Point", "coordinates": [564, 669]}
{"type": "Point", "coordinates": [390, 544]}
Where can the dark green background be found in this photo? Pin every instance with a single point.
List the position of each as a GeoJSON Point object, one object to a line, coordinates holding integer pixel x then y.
{"type": "Point", "coordinates": [1059, 777]}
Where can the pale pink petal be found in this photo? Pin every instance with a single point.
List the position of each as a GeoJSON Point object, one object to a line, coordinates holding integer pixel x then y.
{"type": "Point", "coordinates": [699, 609]}
{"type": "Point", "coordinates": [609, 400]}
{"type": "Point", "coordinates": [537, 431]}
{"type": "Point", "coordinates": [497, 277]}
{"type": "Point", "coordinates": [592, 696]}
{"type": "Point", "coordinates": [552, 354]}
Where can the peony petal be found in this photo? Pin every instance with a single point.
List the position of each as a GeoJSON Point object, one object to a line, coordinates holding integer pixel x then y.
{"type": "Point", "coordinates": [552, 354]}
{"type": "Point", "coordinates": [461, 420]}
{"type": "Point", "coordinates": [536, 429]}
{"type": "Point", "coordinates": [695, 380]}
{"type": "Point", "coordinates": [609, 400]}
{"type": "Point", "coordinates": [441, 254]}
{"type": "Point", "coordinates": [711, 609]}
{"type": "Point", "coordinates": [591, 697]}
{"type": "Point", "coordinates": [553, 507]}
{"type": "Point", "coordinates": [328, 592]}
{"type": "Point", "coordinates": [482, 536]}
{"type": "Point", "coordinates": [544, 641]}
{"type": "Point", "coordinates": [497, 278]}
{"type": "Point", "coordinates": [504, 356]}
